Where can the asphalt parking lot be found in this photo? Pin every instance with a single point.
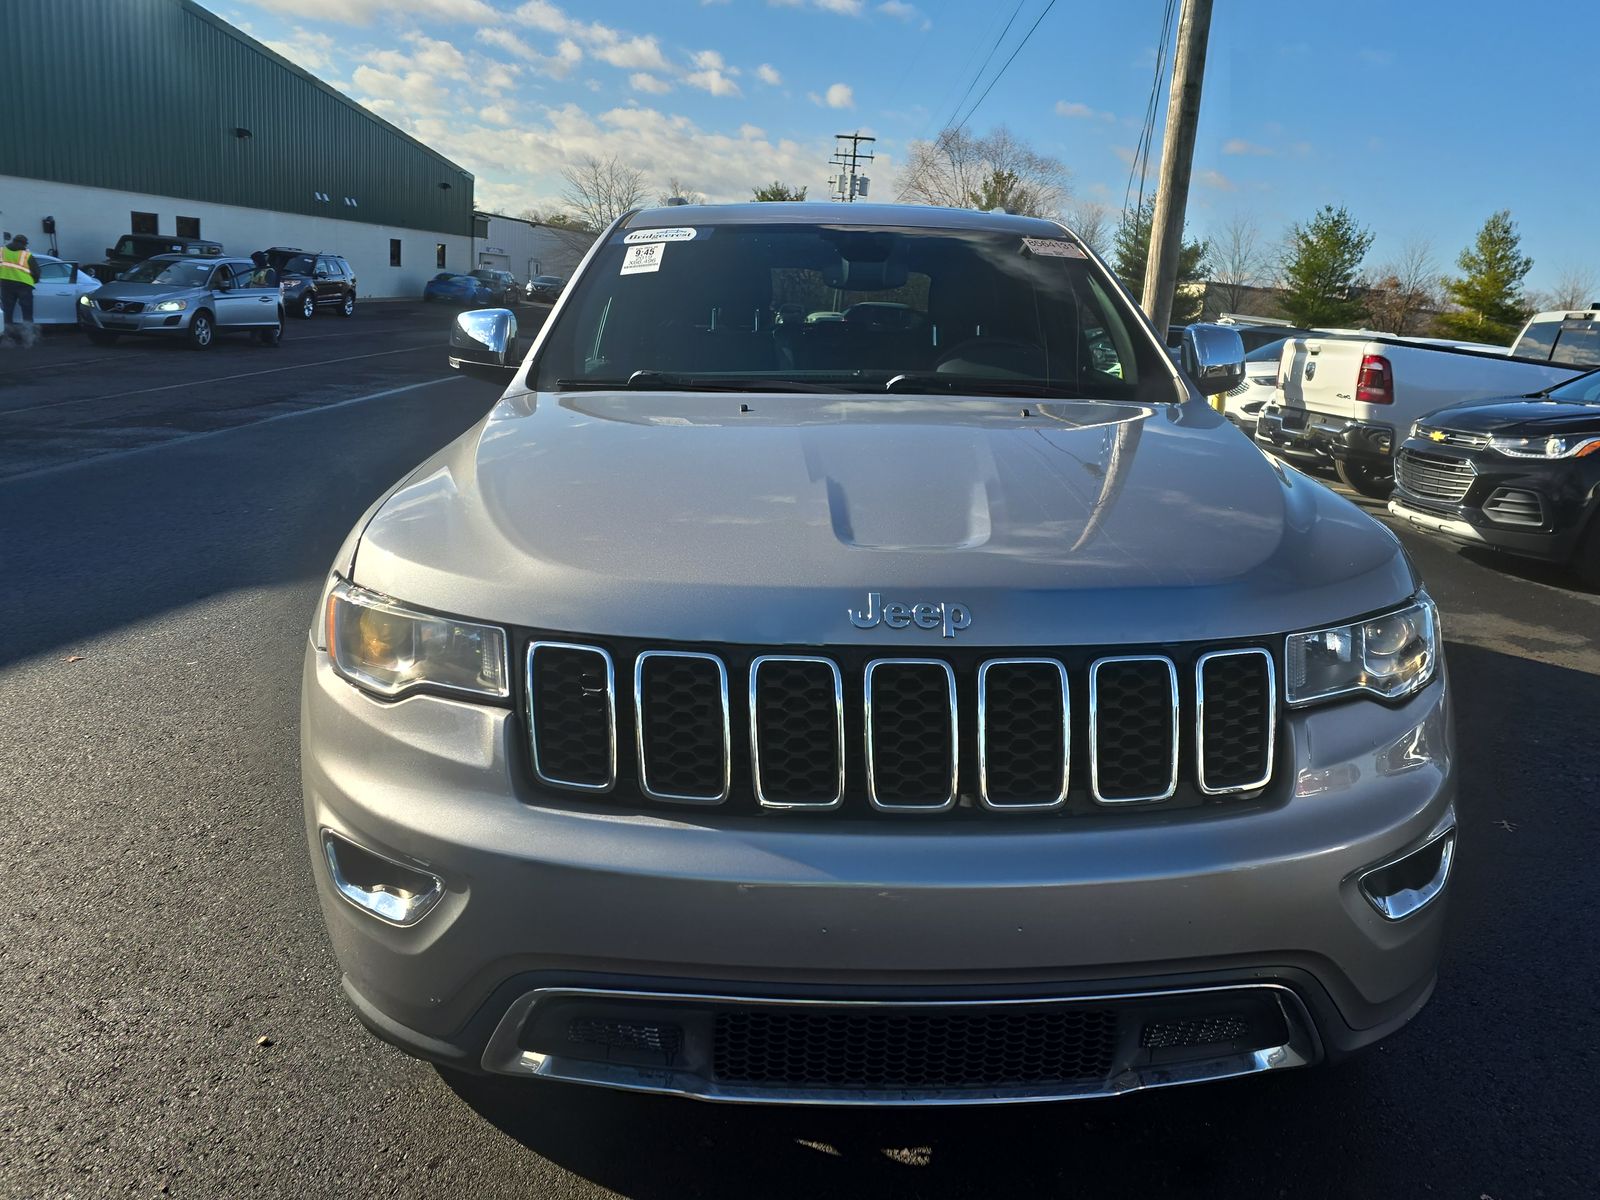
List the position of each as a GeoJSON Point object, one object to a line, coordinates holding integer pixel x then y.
{"type": "Point", "coordinates": [170, 1015]}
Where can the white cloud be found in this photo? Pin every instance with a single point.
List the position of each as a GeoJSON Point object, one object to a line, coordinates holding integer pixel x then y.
{"type": "Point", "coordinates": [840, 95]}
{"type": "Point", "coordinates": [714, 82]}
{"type": "Point", "coordinates": [710, 60]}
{"type": "Point", "coordinates": [768, 74]}
{"type": "Point", "coordinates": [634, 54]}
{"type": "Point", "coordinates": [362, 12]}
{"type": "Point", "coordinates": [495, 114]}
{"type": "Point", "coordinates": [313, 51]}
{"type": "Point", "coordinates": [1072, 108]}
{"type": "Point", "coordinates": [1217, 180]}
{"type": "Point", "coordinates": [902, 10]}
{"type": "Point", "coordinates": [415, 90]}
{"type": "Point", "coordinates": [438, 58]}
{"type": "Point", "coordinates": [509, 42]}
{"type": "Point", "coordinates": [848, 8]}
{"type": "Point", "coordinates": [559, 65]}
{"type": "Point", "coordinates": [1240, 146]}
{"type": "Point", "coordinates": [748, 131]}
{"type": "Point", "coordinates": [640, 81]}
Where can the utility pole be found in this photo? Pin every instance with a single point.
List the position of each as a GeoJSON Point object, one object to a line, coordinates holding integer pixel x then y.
{"type": "Point", "coordinates": [1177, 163]}
{"type": "Point", "coordinates": [847, 185]}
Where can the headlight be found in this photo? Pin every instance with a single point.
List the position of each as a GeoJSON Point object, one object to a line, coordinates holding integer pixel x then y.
{"type": "Point", "coordinates": [172, 306]}
{"type": "Point", "coordinates": [1389, 656]}
{"type": "Point", "coordinates": [1546, 447]}
{"type": "Point", "coordinates": [391, 650]}
{"type": "Point", "coordinates": [86, 299]}
{"type": "Point", "coordinates": [1416, 429]}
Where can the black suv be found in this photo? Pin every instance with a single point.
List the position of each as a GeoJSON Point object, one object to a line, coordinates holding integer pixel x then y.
{"type": "Point", "coordinates": [134, 248]}
{"type": "Point", "coordinates": [309, 281]}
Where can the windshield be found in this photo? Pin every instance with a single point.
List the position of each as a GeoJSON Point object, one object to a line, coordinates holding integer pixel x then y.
{"type": "Point", "coordinates": [545, 279]}
{"type": "Point", "coordinates": [1585, 389]}
{"type": "Point", "coordinates": [179, 274]}
{"type": "Point", "coordinates": [1271, 352]}
{"type": "Point", "coordinates": [296, 264]}
{"type": "Point", "coordinates": [852, 308]}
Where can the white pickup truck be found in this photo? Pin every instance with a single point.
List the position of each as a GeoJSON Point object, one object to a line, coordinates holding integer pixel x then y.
{"type": "Point", "coordinates": [1351, 400]}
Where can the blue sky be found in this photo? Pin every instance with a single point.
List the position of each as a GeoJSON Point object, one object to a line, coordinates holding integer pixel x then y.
{"type": "Point", "coordinates": [1423, 118]}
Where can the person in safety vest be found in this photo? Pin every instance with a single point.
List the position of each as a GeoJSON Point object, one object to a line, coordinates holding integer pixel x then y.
{"type": "Point", "coordinates": [19, 271]}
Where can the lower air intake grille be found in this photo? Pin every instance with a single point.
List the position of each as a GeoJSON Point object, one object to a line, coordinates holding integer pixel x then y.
{"type": "Point", "coordinates": [681, 715]}
{"type": "Point", "coordinates": [1515, 506]}
{"type": "Point", "coordinates": [911, 737]}
{"type": "Point", "coordinates": [913, 1048]}
{"type": "Point", "coordinates": [1134, 734]}
{"type": "Point", "coordinates": [1236, 702]}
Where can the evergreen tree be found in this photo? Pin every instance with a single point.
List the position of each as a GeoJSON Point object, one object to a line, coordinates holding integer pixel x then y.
{"type": "Point", "coordinates": [1130, 249]}
{"type": "Point", "coordinates": [1488, 296]}
{"type": "Point", "coordinates": [1319, 273]}
{"type": "Point", "coordinates": [778, 190]}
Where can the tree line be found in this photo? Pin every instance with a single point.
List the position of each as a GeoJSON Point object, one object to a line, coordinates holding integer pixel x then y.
{"type": "Point", "coordinates": [597, 191]}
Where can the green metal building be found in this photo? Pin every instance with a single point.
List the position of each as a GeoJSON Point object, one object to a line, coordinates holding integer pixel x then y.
{"type": "Point", "coordinates": [123, 114]}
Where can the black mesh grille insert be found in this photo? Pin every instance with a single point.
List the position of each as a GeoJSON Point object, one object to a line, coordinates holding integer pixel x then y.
{"type": "Point", "coordinates": [797, 732]}
{"type": "Point", "coordinates": [682, 726]}
{"type": "Point", "coordinates": [912, 1048]}
{"type": "Point", "coordinates": [572, 715]}
{"type": "Point", "coordinates": [1023, 722]}
{"type": "Point", "coordinates": [1236, 724]}
{"type": "Point", "coordinates": [1133, 729]}
{"type": "Point", "coordinates": [912, 754]}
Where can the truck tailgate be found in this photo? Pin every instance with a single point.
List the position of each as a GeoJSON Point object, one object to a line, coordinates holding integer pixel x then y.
{"type": "Point", "coordinates": [1319, 375]}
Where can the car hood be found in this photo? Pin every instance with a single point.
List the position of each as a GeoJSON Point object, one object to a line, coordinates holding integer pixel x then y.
{"type": "Point", "coordinates": [146, 293]}
{"type": "Point", "coordinates": [1518, 415]}
{"type": "Point", "coordinates": [768, 518]}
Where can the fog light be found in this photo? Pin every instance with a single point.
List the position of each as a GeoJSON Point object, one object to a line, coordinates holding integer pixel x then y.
{"type": "Point", "coordinates": [1399, 888]}
{"type": "Point", "coordinates": [379, 886]}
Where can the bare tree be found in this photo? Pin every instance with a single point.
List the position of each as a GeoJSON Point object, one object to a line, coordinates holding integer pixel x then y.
{"type": "Point", "coordinates": [1091, 221]}
{"type": "Point", "coordinates": [1406, 288]}
{"type": "Point", "coordinates": [962, 170]}
{"type": "Point", "coordinates": [1238, 261]}
{"type": "Point", "coordinates": [1576, 287]}
{"type": "Point", "coordinates": [676, 190]}
{"type": "Point", "coordinates": [601, 190]}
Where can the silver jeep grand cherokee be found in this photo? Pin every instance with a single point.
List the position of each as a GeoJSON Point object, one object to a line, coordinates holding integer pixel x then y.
{"type": "Point", "coordinates": [852, 664]}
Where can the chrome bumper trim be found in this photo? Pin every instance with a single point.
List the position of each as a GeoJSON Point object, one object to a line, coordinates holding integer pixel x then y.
{"type": "Point", "coordinates": [1451, 525]}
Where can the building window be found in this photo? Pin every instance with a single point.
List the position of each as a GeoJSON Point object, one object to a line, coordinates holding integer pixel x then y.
{"type": "Point", "coordinates": [188, 227]}
{"type": "Point", "coordinates": [438, 255]}
{"type": "Point", "coordinates": [144, 223]}
{"type": "Point", "coordinates": [394, 252]}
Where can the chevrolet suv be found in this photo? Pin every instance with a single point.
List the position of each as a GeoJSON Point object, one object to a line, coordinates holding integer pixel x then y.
{"type": "Point", "coordinates": [852, 663]}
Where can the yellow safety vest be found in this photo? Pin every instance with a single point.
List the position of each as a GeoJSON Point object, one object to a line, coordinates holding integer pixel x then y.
{"type": "Point", "coordinates": [15, 266]}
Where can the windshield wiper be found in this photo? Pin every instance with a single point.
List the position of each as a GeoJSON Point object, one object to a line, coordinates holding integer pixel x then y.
{"type": "Point", "coordinates": [975, 385]}
{"type": "Point", "coordinates": [667, 381]}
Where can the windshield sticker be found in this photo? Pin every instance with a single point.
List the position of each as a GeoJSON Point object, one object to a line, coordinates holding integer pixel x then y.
{"type": "Point", "coordinates": [659, 235]}
{"type": "Point", "coordinates": [642, 259]}
{"type": "Point", "coordinates": [1052, 248]}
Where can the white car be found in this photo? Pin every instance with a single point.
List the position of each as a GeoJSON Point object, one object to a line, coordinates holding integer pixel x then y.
{"type": "Point", "coordinates": [55, 296]}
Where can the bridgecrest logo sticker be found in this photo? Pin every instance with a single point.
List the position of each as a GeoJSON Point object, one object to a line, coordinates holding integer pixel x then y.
{"type": "Point", "coordinates": [658, 235]}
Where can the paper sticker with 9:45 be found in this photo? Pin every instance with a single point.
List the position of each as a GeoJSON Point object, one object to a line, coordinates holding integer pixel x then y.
{"type": "Point", "coordinates": [643, 258]}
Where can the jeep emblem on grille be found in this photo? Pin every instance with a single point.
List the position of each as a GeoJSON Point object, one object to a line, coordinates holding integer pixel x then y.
{"type": "Point", "coordinates": [949, 619]}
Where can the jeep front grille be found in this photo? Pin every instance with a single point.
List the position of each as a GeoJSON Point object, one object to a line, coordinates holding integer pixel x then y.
{"type": "Point", "coordinates": [834, 729]}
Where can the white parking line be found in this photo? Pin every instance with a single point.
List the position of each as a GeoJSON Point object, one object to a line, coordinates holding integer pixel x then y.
{"type": "Point", "coordinates": [190, 383]}
{"type": "Point", "coordinates": [211, 433]}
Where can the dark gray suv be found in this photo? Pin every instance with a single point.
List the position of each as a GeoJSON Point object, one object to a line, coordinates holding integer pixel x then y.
{"type": "Point", "coordinates": [853, 664]}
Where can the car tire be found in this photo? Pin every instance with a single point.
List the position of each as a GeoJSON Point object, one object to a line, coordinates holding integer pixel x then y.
{"type": "Point", "coordinates": [308, 306]}
{"type": "Point", "coordinates": [347, 307]}
{"type": "Point", "coordinates": [101, 337]}
{"type": "Point", "coordinates": [202, 331]}
{"type": "Point", "coordinates": [1369, 481]}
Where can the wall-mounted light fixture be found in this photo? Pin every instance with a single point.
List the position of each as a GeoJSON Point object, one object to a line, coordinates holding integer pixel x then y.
{"type": "Point", "coordinates": [241, 133]}
{"type": "Point", "coordinates": [444, 187]}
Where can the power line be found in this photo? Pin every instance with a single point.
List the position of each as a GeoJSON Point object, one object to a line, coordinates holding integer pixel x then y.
{"type": "Point", "coordinates": [1140, 164]}
{"type": "Point", "coordinates": [982, 67]}
{"type": "Point", "coordinates": [1007, 63]}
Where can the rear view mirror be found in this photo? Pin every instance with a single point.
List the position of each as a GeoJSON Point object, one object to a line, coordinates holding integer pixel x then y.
{"type": "Point", "coordinates": [483, 342]}
{"type": "Point", "coordinates": [1213, 358]}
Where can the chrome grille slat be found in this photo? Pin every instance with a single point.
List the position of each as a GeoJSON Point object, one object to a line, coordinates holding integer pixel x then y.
{"type": "Point", "coordinates": [643, 721]}
{"type": "Point", "coordinates": [1062, 774]}
{"type": "Point", "coordinates": [1205, 741]}
{"type": "Point", "coordinates": [1454, 437]}
{"type": "Point", "coordinates": [880, 780]}
{"type": "Point", "coordinates": [1100, 787]}
{"type": "Point", "coordinates": [756, 720]}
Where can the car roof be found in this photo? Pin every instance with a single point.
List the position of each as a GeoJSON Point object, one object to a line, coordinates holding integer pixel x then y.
{"type": "Point", "coordinates": [809, 212]}
{"type": "Point", "coordinates": [1567, 314]}
{"type": "Point", "coordinates": [202, 260]}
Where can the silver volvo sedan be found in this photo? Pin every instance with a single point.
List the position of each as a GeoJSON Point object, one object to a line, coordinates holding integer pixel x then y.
{"type": "Point", "coordinates": [852, 663]}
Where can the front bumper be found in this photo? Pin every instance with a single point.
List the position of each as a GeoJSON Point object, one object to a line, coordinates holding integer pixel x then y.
{"type": "Point", "coordinates": [92, 317]}
{"type": "Point", "coordinates": [542, 894]}
{"type": "Point", "coordinates": [1341, 439]}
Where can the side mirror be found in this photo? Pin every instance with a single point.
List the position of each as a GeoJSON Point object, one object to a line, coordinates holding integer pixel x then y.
{"type": "Point", "coordinates": [483, 342]}
{"type": "Point", "coordinates": [1213, 358]}
{"type": "Point", "coordinates": [109, 251]}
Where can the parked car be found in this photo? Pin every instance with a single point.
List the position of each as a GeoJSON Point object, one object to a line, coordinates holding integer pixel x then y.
{"type": "Point", "coordinates": [503, 288]}
{"type": "Point", "coordinates": [55, 295]}
{"type": "Point", "coordinates": [871, 711]}
{"type": "Point", "coordinates": [174, 295]}
{"type": "Point", "coordinates": [312, 281]}
{"type": "Point", "coordinates": [1243, 404]}
{"type": "Point", "coordinates": [1350, 400]}
{"type": "Point", "coordinates": [448, 287]}
{"type": "Point", "coordinates": [134, 248]}
{"type": "Point", "coordinates": [544, 289]}
{"type": "Point", "coordinates": [1563, 336]}
{"type": "Point", "coordinates": [1519, 474]}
